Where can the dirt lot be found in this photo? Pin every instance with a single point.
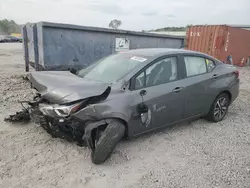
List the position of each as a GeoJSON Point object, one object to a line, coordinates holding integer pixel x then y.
{"type": "Point", "coordinates": [196, 154]}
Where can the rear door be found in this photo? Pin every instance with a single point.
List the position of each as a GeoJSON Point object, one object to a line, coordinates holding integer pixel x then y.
{"type": "Point", "coordinates": [200, 76]}
{"type": "Point", "coordinates": [162, 83]}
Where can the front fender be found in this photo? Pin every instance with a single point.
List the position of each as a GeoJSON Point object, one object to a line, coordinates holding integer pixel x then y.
{"type": "Point", "coordinates": [101, 111]}
{"type": "Point", "coordinates": [88, 113]}
{"type": "Point", "coordinates": [113, 112]}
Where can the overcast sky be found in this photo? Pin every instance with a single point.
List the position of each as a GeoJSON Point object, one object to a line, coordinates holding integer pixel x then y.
{"type": "Point", "coordinates": [134, 14]}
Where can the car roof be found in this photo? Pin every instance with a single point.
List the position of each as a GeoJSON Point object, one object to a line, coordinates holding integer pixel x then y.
{"type": "Point", "coordinates": [156, 52]}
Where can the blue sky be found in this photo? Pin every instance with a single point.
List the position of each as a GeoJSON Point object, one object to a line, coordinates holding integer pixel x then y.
{"type": "Point", "coordinates": [135, 14]}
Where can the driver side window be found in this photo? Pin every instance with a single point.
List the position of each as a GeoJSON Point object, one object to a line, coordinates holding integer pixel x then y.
{"type": "Point", "coordinates": [161, 72]}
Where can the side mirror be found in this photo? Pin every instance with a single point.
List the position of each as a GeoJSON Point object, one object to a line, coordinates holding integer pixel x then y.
{"type": "Point", "coordinates": [143, 92]}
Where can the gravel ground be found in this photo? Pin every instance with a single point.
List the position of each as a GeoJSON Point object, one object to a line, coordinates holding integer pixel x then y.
{"type": "Point", "coordinates": [197, 154]}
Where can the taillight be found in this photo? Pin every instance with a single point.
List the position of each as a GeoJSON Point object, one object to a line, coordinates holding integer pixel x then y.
{"type": "Point", "coordinates": [236, 73]}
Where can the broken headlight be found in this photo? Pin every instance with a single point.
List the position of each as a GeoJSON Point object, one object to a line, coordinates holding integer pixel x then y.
{"type": "Point", "coordinates": [59, 110]}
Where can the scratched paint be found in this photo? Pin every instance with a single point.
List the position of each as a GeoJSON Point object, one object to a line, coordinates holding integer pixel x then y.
{"type": "Point", "coordinates": [158, 108]}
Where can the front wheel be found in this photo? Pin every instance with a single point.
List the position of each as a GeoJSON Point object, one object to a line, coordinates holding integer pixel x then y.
{"type": "Point", "coordinates": [106, 142]}
{"type": "Point", "coordinates": [219, 108]}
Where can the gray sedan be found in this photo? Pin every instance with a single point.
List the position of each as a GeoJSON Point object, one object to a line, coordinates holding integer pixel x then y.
{"type": "Point", "coordinates": [130, 93]}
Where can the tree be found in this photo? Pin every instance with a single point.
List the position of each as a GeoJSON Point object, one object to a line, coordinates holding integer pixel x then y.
{"type": "Point", "coordinates": [7, 26]}
{"type": "Point", "coordinates": [171, 29]}
{"type": "Point", "coordinates": [115, 24]}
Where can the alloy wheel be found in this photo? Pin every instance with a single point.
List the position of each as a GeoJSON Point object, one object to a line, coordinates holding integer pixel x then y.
{"type": "Point", "coordinates": [220, 109]}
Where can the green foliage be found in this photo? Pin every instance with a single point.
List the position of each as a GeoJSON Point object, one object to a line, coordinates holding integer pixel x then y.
{"type": "Point", "coordinates": [9, 26]}
{"type": "Point", "coordinates": [115, 24]}
{"type": "Point", "coordinates": [172, 29]}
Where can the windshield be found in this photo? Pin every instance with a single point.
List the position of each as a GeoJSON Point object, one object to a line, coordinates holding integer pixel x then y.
{"type": "Point", "coordinates": [112, 68]}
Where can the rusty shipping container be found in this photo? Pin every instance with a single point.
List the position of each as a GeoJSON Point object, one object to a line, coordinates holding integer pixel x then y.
{"type": "Point", "coordinates": [220, 41]}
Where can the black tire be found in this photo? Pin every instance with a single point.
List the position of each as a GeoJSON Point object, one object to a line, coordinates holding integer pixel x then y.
{"type": "Point", "coordinates": [218, 111]}
{"type": "Point", "coordinates": [107, 142]}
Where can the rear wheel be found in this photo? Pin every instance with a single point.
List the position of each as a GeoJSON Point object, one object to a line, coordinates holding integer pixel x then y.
{"type": "Point", "coordinates": [106, 141]}
{"type": "Point", "coordinates": [219, 108]}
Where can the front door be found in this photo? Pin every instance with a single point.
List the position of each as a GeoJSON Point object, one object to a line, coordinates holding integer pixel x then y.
{"type": "Point", "coordinates": [163, 96]}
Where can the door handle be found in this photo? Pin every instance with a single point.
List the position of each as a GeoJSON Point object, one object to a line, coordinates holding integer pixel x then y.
{"type": "Point", "coordinates": [177, 89]}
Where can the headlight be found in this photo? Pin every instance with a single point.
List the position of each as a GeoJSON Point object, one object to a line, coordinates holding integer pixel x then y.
{"type": "Point", "coordinates": [59, 110]}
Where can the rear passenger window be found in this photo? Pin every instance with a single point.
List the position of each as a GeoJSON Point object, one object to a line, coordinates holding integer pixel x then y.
{"type": "Point", "coordinates": [195, 65]}
{"type": "Point", "coordinates": [210, 65]}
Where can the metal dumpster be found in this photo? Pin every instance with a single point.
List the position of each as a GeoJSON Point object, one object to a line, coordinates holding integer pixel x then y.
{"type": "Point", "coordinates": [53, 46]}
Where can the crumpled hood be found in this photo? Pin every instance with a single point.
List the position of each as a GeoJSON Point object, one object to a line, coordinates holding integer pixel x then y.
{"type": "Point", "coordinates": [62, 86]}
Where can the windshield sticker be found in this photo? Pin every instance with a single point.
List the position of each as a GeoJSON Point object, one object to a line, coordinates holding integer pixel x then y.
{"type": "Point", "coordinates": [141, 59]}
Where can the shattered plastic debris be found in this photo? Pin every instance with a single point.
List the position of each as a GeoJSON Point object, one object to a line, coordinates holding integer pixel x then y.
{"type": "Point", "coordinates": [22, 116]}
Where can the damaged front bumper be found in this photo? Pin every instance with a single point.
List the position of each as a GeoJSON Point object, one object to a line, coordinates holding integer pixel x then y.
{"type": "Point", "coordinates": [65, 127]}
{"type": "Point", "coordinates": [69, 129]}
